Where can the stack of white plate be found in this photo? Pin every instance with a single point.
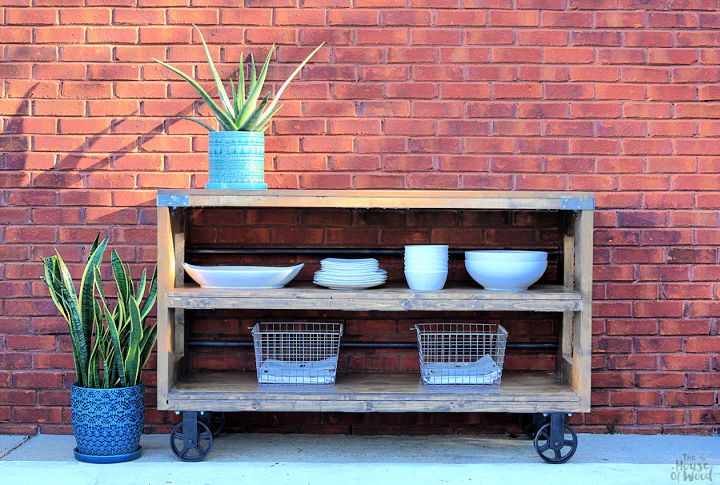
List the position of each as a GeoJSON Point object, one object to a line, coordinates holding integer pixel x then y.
{"type": "Point", "coordinates": [426, 266]}
{"type": "Point", "coordinates": [350, 274]}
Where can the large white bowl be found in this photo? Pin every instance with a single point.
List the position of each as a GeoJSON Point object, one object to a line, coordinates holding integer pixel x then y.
{"type": "Point", "coordinates": [426, 280]}
{"type": "Point", "coordinates": [505, 275]}
{"type": "Point", "coordinates": [242, 277]}
{"type": "Point", "coordinates": [498, 255]}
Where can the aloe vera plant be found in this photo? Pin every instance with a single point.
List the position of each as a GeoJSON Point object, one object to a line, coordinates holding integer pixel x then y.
{"type": "Point", "coordinates": [110, 346]}
{"type": "Point", "coordinates": [240, 110]}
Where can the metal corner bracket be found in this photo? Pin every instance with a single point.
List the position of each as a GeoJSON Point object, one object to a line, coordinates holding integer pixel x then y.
{"type": "Point", "coordinates": [173, 200]}
{"type": "Point", "coordinates": [577, 203]}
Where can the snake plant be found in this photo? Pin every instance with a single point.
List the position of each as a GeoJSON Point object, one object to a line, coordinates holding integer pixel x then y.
{"type": "Point", "coordinates": [240, 111]}
{"type": "Point", "coordinates": [110, 347]}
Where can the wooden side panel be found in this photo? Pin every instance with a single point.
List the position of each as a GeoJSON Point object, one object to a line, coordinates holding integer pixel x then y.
{"type": "Point", "coordinates": [177, 224]}
{"type": "Point", "coordinates": [564, 357]}
{"type": "Point", "coordinates": [582, 323]}
{"type": "Point", "coordinates": [166, 278]}
{"type": "Point", "coordinates": [171, 337]}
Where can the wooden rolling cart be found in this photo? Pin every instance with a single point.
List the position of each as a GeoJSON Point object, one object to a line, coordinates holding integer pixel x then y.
{"type": "Point", "coordinates": [553, 394]}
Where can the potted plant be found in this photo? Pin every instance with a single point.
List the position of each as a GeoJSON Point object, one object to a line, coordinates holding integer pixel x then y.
{"type": "Point", "coordinates": [110, 347]}
{"type": "Point", "coordinates": [236, 151]}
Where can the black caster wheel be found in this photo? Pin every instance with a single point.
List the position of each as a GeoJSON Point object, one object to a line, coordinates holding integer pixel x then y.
{"type": "Point", "coordinates": [185, 448]}
{"type": "Point", "coordinates": [559, 451]}
{"type": "Point", "coordinates": [215, 421]}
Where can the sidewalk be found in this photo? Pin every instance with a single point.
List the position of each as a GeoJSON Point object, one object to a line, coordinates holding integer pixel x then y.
{"type": "Point", "coordinates": [337, 460]}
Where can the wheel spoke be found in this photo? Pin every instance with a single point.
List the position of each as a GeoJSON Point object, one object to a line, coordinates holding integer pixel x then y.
{"type": "Point", "coordinates": [544, 448]}
{"type": "Point", "coordinates": [570, 443]}
{"type": "Point", "coordinates": [185, 453]}
{"type": "Point", "coordinates": [558, 455]}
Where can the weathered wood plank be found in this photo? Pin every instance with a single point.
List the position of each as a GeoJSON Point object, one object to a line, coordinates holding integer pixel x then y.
{"type": "Point", "coordinates": [165, 278]}
{"type": "Point", "coordinates": [379, 199]}
{"type": "Point", "coordinates": [522, 392]}
{"type": "Point", "coordinates": [582, 321]}
{"type": "Point", "coordinates": [544, 298]}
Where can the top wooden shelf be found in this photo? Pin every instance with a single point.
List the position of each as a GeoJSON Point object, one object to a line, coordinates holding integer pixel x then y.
{"type": "Point", "coordinates": [378, 199]}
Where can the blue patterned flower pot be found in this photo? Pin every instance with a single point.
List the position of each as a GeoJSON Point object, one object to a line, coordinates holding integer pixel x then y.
{"type": "Point", "coordinates": [108, 423]}
{"type": "Point", "coordinates": [236, 160]}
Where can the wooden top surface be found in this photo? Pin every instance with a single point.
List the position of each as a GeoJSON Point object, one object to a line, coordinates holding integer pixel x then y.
{"type": "Point", "coordinates": [378, 199]}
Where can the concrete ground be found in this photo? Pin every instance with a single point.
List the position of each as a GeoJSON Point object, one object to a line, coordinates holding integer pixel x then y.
{"type": "Point", "coordinates": [268, 459]}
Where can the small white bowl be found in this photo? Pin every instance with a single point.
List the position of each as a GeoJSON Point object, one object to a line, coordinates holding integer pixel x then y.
{"type": "Point", "coordinates": [427, 247]}
{"type": "Point", "coordinates": [426, 280]}
{"type": "Point", "coordinates": [505, 275]}
{"type": "Point", "coordinates": [503, 255]}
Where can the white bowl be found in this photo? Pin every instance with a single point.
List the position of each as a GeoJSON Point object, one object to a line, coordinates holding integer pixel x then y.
{"type": "Point", "coordinates": [505, 275]}
{"type": "Point", "coordinates": [503, 255]}
{"type": "Point", "coordinates": [426, 249]}
{"type": "Point", "coordinates": [242, 277]}
{"type": "Point", "coordinates": [426, 267]}
{"type": "Point", "coordinates": [426, 280]}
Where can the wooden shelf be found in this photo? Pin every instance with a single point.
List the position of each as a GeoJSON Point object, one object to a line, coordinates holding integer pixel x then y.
{"type": "Point", "coordinates": [239, 391]}
{"type": "Point", "coordinates": [309, 297]}
{"type": "Point", "coordinates": [378, 199]}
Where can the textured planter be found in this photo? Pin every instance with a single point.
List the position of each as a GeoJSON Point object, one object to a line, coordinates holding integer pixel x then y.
{"type": "Point", "coordinates": [236, 160]}
{"type": "Point", "coordinates": [108, 423]}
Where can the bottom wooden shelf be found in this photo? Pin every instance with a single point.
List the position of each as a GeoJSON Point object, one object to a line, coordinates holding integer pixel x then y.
{"type": "Point", "coordinates": [525, 392]}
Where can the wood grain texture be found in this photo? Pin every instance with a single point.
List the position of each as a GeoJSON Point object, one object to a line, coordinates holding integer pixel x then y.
{"type": "Point", "coordinates": [542, 299]}
{"type": "Point", "coordinates": [582, 323]}
{"type": "Point", "coordinates": [228, 391]}
{"type": "Point", "coordinates": [382, 199]}
{"type": "Point", "coordinates": [566, 391]}
{"type": "Point", "coordinates": [165, 278]}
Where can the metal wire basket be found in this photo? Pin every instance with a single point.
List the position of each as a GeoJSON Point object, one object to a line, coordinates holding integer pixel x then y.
{"type": "Point", "coordinates": [461, 353]}
{"type": "Point", "coordinates": [296, 352]}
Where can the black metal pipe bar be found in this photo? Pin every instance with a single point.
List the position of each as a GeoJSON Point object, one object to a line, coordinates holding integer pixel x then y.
{"type": "Point", "coordinates": [378, 345]}
{"type": "Point", "coordinates": [457, 252]}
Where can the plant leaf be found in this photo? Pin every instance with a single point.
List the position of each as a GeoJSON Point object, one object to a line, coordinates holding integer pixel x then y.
{"type": "Point", "coordinates": [141, 286]}
{"type": "Point", "coordinates": [95, 243]}
{"type": "Point", "coordinates": [147, 345]}
{"type": "Point", "coordinates": [121, 278]}
{"type": "Point", "coordinates": [132, 359]}
{"type": "Point", "coordinates": [225, 121]}
{"type": "Point", "coordinates": [262, 124]}
{"type": "Point", "coordinates": [115, 340]}
{"type": "Point", "coordinates": [254, 93]}
{"type": "Point", "coordinates": [199, 122]}
{"type": "Point", "coordinates": [241, 84]}
{"type": "Point", "coordinates": [289, 79]}
{"type": "Point", "coordinates": [152, 296]}
{"type": "Point", "coordinates": [254, 116]}
{"type": "Point", "coordinates": [87, 290]}
{"type": "Point", "coordinates": [79, 344]}
{"type": "Point", "coordinates": [218, 82]}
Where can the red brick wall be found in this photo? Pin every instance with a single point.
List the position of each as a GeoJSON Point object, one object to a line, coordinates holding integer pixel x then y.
{"type": "Point", "coordinates": [614, 96]}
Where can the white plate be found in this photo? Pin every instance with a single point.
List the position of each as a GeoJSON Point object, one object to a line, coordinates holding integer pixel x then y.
{"type": "Point", "coordinates": [350, 280]}
{"type": "Point", "coordinates": [356, 274]}
{"type": "Point", "coordinates": [351, 286]}
{"type": "Point", "coordinates": [242, 277]}
{"type": "Point", "coordinates": [345, 261]}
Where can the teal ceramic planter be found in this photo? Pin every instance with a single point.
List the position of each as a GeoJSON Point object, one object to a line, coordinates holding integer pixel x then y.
{"type": "Point", "coordinates": [236, 160]}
